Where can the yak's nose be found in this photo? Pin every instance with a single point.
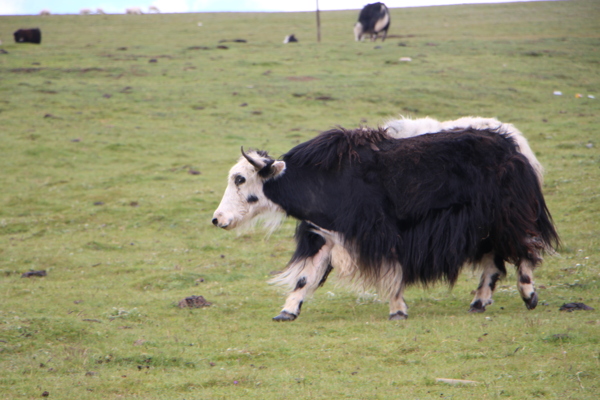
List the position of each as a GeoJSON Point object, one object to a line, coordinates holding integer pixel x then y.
{"type": "Point", "coordinates": [215, 222]}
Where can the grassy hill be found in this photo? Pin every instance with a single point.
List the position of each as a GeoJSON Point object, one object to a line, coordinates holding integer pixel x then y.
{"type": "Point", "coordinates": [116, 135]}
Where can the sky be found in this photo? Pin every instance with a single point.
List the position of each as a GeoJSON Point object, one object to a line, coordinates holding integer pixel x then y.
{"type": "Point", "coordinates": [32, 7]}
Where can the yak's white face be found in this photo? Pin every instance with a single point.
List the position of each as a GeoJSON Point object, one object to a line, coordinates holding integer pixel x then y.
{"type": "Point", "coordinates": [244, 199]}
{"type": "Point", "coordinates": [358, 31]}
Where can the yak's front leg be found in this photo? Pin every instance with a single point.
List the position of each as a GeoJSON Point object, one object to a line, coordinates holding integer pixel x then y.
{"type": "Point", "coordinates": [314, 272]}
{"type": "Point", "coordinates": [391, 284]}
{"type": "Point", "coordinates": [308, 269]}
{"type": "Point", "coordinates": [309, 274]}
{"type": "Point", "coordinates": [493, 269]}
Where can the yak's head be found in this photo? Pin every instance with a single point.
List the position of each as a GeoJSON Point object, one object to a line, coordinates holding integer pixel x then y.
{"type": "Point", "coordinates": [244, 198]}
{"type": "Point", "coordinates": [358, 31]}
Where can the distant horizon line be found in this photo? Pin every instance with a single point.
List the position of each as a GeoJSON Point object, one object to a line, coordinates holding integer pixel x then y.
{"type": "Point", "coordinates": [93, 11]}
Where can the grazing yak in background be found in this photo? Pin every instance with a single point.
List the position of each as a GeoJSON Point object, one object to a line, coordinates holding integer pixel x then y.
{"type": "Point", "coordinates": [400, 205]}
{"type": "Point", "coordinates": [33, 35]}
{"type": "Point", "coordinates": [134, 11]}
{"type": "Point", "coordinates": [373, 19]}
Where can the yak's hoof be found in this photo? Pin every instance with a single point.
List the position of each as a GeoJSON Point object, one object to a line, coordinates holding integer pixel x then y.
{"type": "Point", "coordinates": [477, 307]}
{"type": "Point", "coordinates": [532, 301]}
{"type": "Point", "coordinates": [398, 316]}
{"type": "Point", "coordinates": [285, 316]}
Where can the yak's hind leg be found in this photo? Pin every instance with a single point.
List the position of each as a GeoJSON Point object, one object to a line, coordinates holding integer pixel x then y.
{"type": "Point", "coordinates": [525, 284]}
{"type": "Point", "coordinates": [398, 308]}
{"type": "Point", "coordinates": [308, 269]}
{"type": "Point", "coordinates": [493, 269]}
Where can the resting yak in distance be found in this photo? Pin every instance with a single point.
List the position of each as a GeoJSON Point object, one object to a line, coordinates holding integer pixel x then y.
{"type": "Point", "coordinates": [411, 202]}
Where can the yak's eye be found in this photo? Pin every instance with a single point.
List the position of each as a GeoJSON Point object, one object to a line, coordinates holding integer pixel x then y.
{"type": "Point", "coordinates": [239, 180]}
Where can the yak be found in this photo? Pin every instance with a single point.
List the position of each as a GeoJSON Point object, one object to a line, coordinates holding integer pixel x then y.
{"type": "Point", "coordinates": [33, 35]}
{"type": "Point", "coordinates": [373, 19]}
{"type": "Point", "coordinates": [386, 211]}
{"type": "Point", "coordinates": [134, 11]}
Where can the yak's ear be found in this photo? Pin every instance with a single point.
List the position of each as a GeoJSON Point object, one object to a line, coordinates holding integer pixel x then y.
{"type": "Point", "coordinates": [278, 168]}
{"type": "Point", "coordinates": [272, 169]}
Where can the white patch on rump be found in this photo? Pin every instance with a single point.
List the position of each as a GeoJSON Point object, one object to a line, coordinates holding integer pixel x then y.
{"type": "Point", "coordinates": [380, 24]}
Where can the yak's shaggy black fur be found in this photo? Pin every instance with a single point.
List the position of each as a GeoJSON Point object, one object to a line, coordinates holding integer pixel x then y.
{"type": "Point", "coordinates": [33, 35]}
{"type": "Point", "coordinates": [429, 203]}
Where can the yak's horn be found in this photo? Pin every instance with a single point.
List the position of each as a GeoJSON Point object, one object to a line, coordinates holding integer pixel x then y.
{"type": "Point", "coordinates": [251, 160]}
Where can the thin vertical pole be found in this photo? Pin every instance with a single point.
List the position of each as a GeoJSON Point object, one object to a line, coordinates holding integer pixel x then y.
{"type": "Point", "coordinates": [318, 24]}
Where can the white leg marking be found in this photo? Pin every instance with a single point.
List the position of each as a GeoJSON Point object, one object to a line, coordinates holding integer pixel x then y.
{"type": "Point", "coordinates": [525, 284]}
{"type": "Point", "coordinates": [487, 284]}
{"type": "Point", "coordinates": [304, 278]}
{"type": "Point", "coordinates": [398, 308]}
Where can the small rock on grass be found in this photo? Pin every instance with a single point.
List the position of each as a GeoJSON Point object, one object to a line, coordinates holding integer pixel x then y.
{"type": "Point", "coordinates": [574, 307]}
{"type": "Point", "coordinates": [194, 302]}
{"type": "Point", "coordinates": [456, 381]}
{"type": "Point", "coordinates": [34, 273]}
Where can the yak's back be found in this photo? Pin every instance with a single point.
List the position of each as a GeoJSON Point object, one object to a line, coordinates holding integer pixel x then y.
{"type": "Point", "coordinates": [332, 148]}
{"type": "Point", "coordinates": [444, 170]}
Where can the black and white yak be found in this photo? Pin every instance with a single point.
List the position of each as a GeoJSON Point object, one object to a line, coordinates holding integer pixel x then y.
{"type": "Point", "coordinates": [394, 206]}
{"type": "Point", "coordinates": [290, 39]}
{"type": "Point", "coordinates": [33, 35]}
{"type": "Point", "coordinates": [373, 19]}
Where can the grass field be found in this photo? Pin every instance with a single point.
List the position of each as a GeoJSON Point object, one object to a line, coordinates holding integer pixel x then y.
{"type": "Point", "coordinates": [116, 135]}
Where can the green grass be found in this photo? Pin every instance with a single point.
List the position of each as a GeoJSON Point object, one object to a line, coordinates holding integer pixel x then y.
{"type": "Point", "coordinates": [96, 147]}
